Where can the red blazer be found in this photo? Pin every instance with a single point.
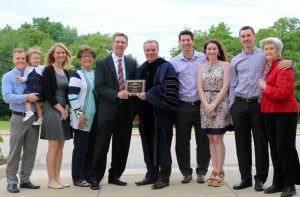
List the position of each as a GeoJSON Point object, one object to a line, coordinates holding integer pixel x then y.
{"type": "Point", "coordinates": [279, 95]}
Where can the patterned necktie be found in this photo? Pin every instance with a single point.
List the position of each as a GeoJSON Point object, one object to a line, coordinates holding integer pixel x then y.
{"type": "Point", "coordinates": [120, 76]}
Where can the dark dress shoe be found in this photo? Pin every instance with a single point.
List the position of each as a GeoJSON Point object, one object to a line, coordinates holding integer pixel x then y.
{"type": "Point", "coordinates": [273, 189]}
{"type": "Point", "coordinates": [186, 179]}
{"type": "Point", "coordinates": [243, 184]}
{"type": "Point", "coordinates": [94, 186]}
{"type": "Point", "coordinates": [160, 185]}
{"type": "Point", "coordinates": [259, 186]}
{"type": "Point", "coordinates": [288, 191]}
{"type": "Point", "coordinates": [201, 179]}
{"type": "Point", "coordinates": [144, 182]}
{"type": "Point", "coordinates": [116, 181]}
{"type": "Point", "coordinates": [13, 188]}
{"type": "Point", "coordinates": [29, 185]}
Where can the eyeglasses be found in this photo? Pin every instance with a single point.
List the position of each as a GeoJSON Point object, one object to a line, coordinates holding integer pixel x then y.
{"type": "Point", "coordinates": [86, 56]}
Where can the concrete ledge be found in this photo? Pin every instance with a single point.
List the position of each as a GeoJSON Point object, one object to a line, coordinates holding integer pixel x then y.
{"type": "Point", "coordinates": [3, 171]}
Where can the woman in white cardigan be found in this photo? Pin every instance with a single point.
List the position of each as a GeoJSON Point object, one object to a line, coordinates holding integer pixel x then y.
{"type": "Point", "coordinates": [83, 109]}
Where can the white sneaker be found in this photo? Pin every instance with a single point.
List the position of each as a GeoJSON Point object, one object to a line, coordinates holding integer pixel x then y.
{"type": "Point", "coordinates": [27, 116]}
{"type": "Point", "coordinates": [38, 122]}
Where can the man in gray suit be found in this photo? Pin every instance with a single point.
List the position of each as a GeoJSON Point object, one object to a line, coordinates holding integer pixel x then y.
{"type": "Point", "coordinates": [114, 113]}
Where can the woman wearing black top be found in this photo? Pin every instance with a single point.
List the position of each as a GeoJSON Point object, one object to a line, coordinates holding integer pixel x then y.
{"type": "Point", "coordinates": [56, 124]}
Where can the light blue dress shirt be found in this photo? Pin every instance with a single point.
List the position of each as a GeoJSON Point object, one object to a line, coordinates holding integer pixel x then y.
{"type": "Point", "coordinates": [13, 91]}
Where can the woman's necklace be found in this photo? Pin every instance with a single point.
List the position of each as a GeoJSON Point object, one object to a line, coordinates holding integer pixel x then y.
{"type": "Point", "coordinates": [58, 69]}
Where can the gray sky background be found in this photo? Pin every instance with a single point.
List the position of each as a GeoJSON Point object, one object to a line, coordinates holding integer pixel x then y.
{"type": "Point", "coordinates": [149, 19]}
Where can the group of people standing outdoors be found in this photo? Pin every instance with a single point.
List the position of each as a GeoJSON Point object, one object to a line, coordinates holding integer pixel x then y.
{"type": "Point", "coordinates": [254, 95]}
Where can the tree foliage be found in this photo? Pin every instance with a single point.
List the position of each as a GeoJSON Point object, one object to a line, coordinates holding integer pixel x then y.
{"type": "Point", "coordinates": [222, 33]}
{"type": "Point", "coordinates": [43, 33]}
{"type": "Point", "coordinates": [286, 29]}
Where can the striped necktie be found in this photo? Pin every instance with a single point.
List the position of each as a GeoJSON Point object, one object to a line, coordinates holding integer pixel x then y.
{"type": "Point", "coordinates": [120, 76]}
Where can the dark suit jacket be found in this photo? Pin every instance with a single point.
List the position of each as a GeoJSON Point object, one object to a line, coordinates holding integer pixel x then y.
{"type": "Point", "coordinates": [107, 86]}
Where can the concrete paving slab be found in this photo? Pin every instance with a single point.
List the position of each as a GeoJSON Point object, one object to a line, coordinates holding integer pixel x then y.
{"type": "Point", "coordinates": [134, 172]}
{"type": "Point", "coordinates": [176, 189]}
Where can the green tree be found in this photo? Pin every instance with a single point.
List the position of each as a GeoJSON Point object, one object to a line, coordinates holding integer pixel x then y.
{"type": "Point", "coordinates": [101, 43]}
{"type": "Point", "coordinates": [287, 29]}
{"type": "Point", "coordinates": [284, 25]}
{"type": "Point", "coordinates": [55, 30]}
{"type": "Point", "coordinates": [222, 33]}
{"type": "Point", "coordinates": [43, 33]}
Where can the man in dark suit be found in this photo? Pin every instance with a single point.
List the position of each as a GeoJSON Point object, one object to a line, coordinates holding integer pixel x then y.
{"type": "Point", "coordinates": [114, 113]}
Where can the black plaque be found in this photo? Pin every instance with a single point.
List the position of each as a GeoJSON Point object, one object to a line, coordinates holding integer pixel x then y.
{"type": "Point", "coordinates": [135, 86]}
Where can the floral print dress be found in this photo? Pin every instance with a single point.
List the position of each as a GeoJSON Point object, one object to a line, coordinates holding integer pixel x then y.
{"type": "Point", "coordinates": [212, 80]}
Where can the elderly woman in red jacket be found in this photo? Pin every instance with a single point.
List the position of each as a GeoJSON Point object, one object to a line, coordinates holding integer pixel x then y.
{"type": "Point", "coordinates": [280, 109]}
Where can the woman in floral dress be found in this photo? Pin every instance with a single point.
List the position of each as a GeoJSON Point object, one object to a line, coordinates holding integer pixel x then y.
{"type": "Point", "coordinates": [213, 83]}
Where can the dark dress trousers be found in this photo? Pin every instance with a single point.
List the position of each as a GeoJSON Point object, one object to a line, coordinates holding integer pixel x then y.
{"type": "Point", "coordinates": [248, 121]}
{"type": "Point", "coordinates": [114, 119]}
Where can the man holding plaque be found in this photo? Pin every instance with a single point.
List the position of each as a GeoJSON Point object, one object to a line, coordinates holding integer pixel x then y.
{"type": "Point", "coordinates": [114, 113]}
{"type": "Point", "coordinates": [156, 112]}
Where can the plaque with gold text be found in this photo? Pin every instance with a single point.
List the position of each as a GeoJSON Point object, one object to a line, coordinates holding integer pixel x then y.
{"type": "Point", "coordinates": [135, 86]}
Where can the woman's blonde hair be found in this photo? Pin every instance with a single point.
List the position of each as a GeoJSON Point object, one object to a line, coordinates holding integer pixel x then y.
{"type": "Point", "coordinates": [33, 50]}
{"type": "Point", "coordinates": [50, 59]}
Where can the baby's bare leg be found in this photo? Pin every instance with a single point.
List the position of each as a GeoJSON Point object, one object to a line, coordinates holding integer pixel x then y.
{"type": "Point", "coordinates": [38, 109]}
{"type": "Point", "coordinates": [27, 106]}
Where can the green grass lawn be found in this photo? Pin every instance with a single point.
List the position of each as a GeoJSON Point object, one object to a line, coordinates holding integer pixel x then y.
{"type": "Point", "coordinates": [4, 125]}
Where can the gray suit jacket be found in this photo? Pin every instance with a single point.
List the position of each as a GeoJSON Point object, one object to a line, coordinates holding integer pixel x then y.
{"type": "Point", "coordinates": [107, 86]}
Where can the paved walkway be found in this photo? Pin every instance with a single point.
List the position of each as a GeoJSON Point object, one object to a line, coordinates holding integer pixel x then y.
{"type": "Point", "coordinates": [135, 157]}
{"type": "Point", "coordinates": [135, 172]}
{"type": "Point", "coordinates": [176, 189]}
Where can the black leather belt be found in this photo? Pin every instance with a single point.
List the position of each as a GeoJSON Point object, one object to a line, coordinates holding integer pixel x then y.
{"type": "Point", "coordinates": [18, 113]}
{"type": "Point", "coordinates": [247, 100]}
{"type": "Point", "coordinates": [191, 103]}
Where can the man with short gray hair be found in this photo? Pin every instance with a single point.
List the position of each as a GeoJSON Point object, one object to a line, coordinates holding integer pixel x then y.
{"type": "Point", "coordinates": [156, 112]}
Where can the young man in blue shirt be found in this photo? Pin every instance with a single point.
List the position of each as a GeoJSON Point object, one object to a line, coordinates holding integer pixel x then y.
{"type": "Point", "coordinates": [23, 135]}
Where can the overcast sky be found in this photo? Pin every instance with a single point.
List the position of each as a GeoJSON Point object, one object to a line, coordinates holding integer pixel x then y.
{"type": "Point", "coordinates": [149, 19]}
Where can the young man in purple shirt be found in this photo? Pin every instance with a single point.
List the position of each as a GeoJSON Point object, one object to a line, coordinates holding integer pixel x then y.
{"type": "Point", "coordinates": [245, 71]}
{"type": "Point", "coordinates": [188, 115]}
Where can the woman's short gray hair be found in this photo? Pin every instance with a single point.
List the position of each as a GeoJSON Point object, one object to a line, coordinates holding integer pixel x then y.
{"type": "Point", "coordinates": [273, 40]}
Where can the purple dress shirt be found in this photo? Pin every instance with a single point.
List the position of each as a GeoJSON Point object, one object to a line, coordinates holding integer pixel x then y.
{"type": "Point", "coordinates": [186, 70]}
{"type": "Point", "coordinates": [245, 71]}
